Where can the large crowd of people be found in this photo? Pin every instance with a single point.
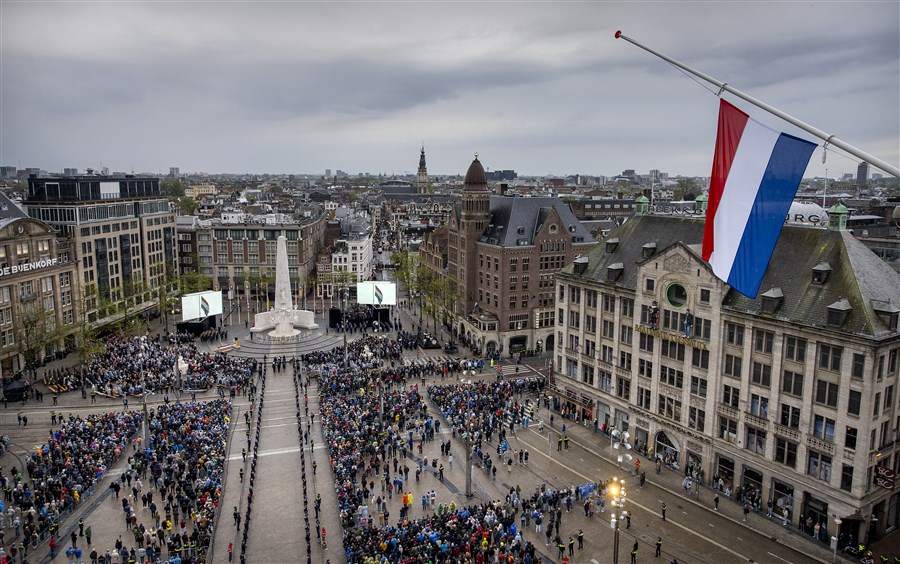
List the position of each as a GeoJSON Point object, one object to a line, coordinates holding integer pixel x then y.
{"type": "Point", "coordinates": [369, 447]}
{"type": "Point", "coordinates": [62, 471]}
{"type": "Point", "coordinates": [134, 365]}
{"type": "Point", "coordinates": [171, 487]}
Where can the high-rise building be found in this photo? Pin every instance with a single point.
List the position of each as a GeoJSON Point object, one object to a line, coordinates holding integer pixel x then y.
{"type": "Point", "coordinates": [174, 172]}
{"type": "Point", "coordinates": [862, 173]}
{"type": "Point", "coordinates": [122, 232]}
{"type": "Point", "coordinates": [789, 396]}
{"type": "Point", "coordinates": [327, 173]}
{"type": "Point", "coordinates": [70, 171]}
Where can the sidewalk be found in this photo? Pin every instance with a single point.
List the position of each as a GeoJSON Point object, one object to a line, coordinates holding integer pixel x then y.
{"type": "Point", "coordinates": [670, 481]}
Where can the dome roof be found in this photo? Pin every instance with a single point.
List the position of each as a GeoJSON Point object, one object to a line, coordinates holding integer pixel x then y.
{"type": "Point", "coordinates": [475, 177]}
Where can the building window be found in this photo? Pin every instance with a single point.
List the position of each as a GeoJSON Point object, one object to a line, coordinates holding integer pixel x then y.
{"type": "Point", "coordinates": [575, 294]}
{"type": "Point", "coordinates": [626, 307]}
{"type": "Point", "coordinates": [609, 303]}
{"type": "Point", "coordinates": [756, 440]}
{"type": "Point", "coordinates": [645, 368]}
{"type": "Point", "coordinates": [762, 374]}
{"type": "Point", "coordinates": [669, 408]}
{"type": "Point", "coordinates": [795, 349]}
{"type": "Point", "coordinates": [847, 477]}
{"type": "Point", "coordinates": [734, 334]}
{"type": "Point", "coordinates": [513, 264]}
{"type": "Point", "coordinates": [759, 406]}
{"type": "Point", "coordinates": [623, 388]}
{"type": "Point", "coordinates": [649, 284]}
{"type": "Point", "coordinates": [818, 465]}
{"type": "Point", "coordinates": [698, 386]}
{"type": "Point", "coordinates": [830, 357]}
{"type": "Point", "coordinates": [646, 342]}
{"type": "Point", "coordinates": [786, 453]}
{"type": "Point", "coordinates": [792, 383]}
{"type": "Point", "coordinates": [763, 341]}
{"type": "Point", "coordinates": [696, 419]}
{"type": "Point", "coordinates": [731, 395]}
{"type": "Point", "coordinates": [826, 393]}
{"type": "Point", "coordinates": [608, 328]}
{"type": "Point", "coordinates": [626, 333]}
{"type": "Point", "coordinates": [700, 358]}
{"type": "Point", "coordinates": [790, 416]}
{"type": "Point", "coordinates": [850, 435]}
{"type": "Point", "coordinates": [673, 350]}
{"type": "Point", "coordinates": [625, 360]}
{"type": "Point", "coordinates": [644, 398]}
{"type": "Point", "coordinates": [859, 366]}
{"type": "Point", "coordinates": [671, 376]}
{"type": "Point", "coordinates": [733, 365]}
{"type": "Point", "coordinates": [823, 428]}
{"type": "Point", "coordinates": [854, 402]}
{"type": "Point", "coordinates": [704, 296]}
{"type": "Point", "coordinates": [727, 429]}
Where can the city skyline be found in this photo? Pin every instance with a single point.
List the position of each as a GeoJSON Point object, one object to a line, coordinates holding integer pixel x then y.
{"type": "Point", "coordinates": [540, 88]}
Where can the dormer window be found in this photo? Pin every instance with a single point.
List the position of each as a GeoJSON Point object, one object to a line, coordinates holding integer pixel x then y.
{"type": "Point", "coordinates": [887, 313]}
{"type": "Point", "coordinates": [580, 264]}
{"type": "Point", "coordinates": [611, 245]}
{"type": "Point", "coordinates": [614, 271]}
{"type": "Point", "coordinates": [838, 312]}
{"type": "Point", "coordinates": [820, 273]}
{"type": "Point", "coordinates": [772, 300]}
{"type": "Point", "coordinates": [648, 250]}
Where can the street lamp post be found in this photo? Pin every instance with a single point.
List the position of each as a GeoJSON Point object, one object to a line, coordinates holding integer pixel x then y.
{"type": "Point", "coordinates": [617, 491]}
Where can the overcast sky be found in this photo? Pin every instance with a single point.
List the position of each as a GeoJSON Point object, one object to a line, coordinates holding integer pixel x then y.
{"type": "Point", "coordinates": [542, 88]}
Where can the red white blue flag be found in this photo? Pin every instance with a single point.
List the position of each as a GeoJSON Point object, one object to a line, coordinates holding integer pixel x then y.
{"type": "Point", "coordinates": [379, 295]}
{"type": "Point", "coordinates": [755, 175]}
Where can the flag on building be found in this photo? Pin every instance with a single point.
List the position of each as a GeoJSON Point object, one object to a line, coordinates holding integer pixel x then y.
{"type": "Point", "coordinates": [755, 174]}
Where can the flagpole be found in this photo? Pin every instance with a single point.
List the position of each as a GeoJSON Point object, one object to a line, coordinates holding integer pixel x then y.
{"type": "Point", "coordinates": [829, 139]}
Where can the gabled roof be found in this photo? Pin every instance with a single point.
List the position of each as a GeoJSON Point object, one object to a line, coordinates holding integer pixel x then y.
{"type": "Point", "coordinates": [858, 275]}
{"type": "Point", "coordinates": [515, 221]}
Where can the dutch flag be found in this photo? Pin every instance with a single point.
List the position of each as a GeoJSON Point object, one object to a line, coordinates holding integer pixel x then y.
{"type": "Point", "coordinates": [755, 175]}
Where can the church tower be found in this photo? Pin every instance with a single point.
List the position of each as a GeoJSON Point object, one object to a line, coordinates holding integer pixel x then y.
{"type": "Point", "coordinates": [422, 174]}
{"type": "Point", "coordinates": [474, 218]}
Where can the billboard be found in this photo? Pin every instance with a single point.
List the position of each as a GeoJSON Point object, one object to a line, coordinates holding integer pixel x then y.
{"type": "Point", "coordinates": [376, 293]}
{"type": "Point", "coordinates": [200, 305]}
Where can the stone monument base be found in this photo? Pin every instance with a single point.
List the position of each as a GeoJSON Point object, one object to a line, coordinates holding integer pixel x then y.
{"type": "Point", "coordinates": [284, 323]}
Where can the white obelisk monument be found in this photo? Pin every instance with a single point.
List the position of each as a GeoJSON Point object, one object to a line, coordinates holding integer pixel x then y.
{"type": "Point", "coordinates": [283, 317]}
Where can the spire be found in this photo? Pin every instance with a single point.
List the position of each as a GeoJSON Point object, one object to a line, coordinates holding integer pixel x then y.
{"type": "Point", "coordinates": [422, 157]}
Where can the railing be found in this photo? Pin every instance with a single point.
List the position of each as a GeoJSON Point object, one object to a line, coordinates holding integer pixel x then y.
{"type": "Point", "coordinates": [755, 420]}
{"type": "Point", "coordinates": [787, 432]}
{"type": "Point", "coordinates": [820, 444]}
{"type": "Point", "coordinates": [727, 410]}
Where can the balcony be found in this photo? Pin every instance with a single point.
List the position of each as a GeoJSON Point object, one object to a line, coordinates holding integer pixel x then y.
{"type": "Point", "coordinates": [820, 444]}
{"type": "Point", "coordinates": [755, 420]}
{"type": "Point", "coordinates": [727, 410]}
{"type": "Point", "coordinates": [787, 432]}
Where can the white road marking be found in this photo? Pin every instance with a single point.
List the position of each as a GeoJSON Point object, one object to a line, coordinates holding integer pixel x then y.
{"type": "Point", "coordinates": [778, 557]}
{"type": "Point", "coordinates": [645, 508]}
